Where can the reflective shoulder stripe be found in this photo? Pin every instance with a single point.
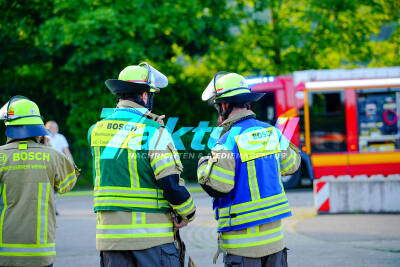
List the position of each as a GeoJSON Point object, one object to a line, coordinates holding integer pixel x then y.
{"type": "Point", "coordinates": [134, 230]}
{"type": "Point", "coordinates": [252, 239]}
{"type": "Point", "coordinates": [3, 207]}
{"type": "Point", "coordinates": [67, 181]}
{"type": "Point", "coordinates": [185, 207]}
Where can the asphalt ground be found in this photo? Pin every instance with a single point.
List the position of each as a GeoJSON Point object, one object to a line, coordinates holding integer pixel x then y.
{"type": "Point", "coordinates": [313, 240]}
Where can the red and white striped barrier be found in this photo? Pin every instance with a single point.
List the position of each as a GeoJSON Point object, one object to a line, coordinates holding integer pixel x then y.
{"type": "Point", "coordinates": [344, 194]}
{"type": "Point", "coordinates": [321, 196]}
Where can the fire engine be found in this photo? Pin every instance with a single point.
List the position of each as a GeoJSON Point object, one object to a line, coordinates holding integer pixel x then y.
{"type": "Point", "coordinates": [349, 119]}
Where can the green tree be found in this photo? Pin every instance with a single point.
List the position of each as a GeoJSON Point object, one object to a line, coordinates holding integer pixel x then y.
{"type": "Point", "coordinates": [59, 53]}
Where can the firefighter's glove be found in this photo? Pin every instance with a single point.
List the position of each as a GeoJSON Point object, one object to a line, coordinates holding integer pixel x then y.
{"type": "Point", "coordinates": [77, 171]}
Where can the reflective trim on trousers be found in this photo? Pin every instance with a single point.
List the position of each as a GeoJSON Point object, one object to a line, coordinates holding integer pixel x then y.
{"type": "Point", "coordinates": [254, 216]}
{"type": "Point", "coordinates": [128, 192]}
{"type": "Point", "coordinates": [252, 239]}
{"type": "Point", "coordinates": [253, 205]}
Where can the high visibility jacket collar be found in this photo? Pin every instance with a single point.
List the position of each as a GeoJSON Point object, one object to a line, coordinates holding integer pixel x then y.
{"type": "Point", "coordinates": [262, 198]}
{"type": "Point", "coordinates": [143, 110]}
{"type": "Point", "coordinates": [129, 104]}
{"type": "Point", "coordinates": [242, 115]}
{"type": "Point", "coordinates": [14, 143]}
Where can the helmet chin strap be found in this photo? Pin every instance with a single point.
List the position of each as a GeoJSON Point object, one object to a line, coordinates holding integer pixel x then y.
{"type": "Point", "coordinates": [224, 113]}
{"type": "Point", "coordinates": [149, 104]}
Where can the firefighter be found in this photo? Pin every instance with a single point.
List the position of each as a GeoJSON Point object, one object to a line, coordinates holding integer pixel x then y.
{"type": "Point", "coordinates": [244, 177]}
{"type": "Point", "coordinates": [30, 173]}
{"type": "Point", "coordinates": [137, 181]}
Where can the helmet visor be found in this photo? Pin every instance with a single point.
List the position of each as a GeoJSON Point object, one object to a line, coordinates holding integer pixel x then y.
{"type": "Point", "coordinates": [155, 78]}
{"type": "Point", "coordinates": [211, 91]}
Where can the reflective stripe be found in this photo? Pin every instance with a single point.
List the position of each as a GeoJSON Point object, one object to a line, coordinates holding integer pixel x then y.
{"type": "Point", "coordinates": [248, 206]}
{"type": "Point", "coordinates": [3, 207]}
{"type": "Point", "coordinates": [200, 171]}
{"type": "Point", "coordinates": [124, 191]}
{"type": "Point", "coordinates": [44, 213]}
{"type": "Point", "coordinates": [253, 184]}
{"type": "Point", "coordinates": [164, 161]}
{"type": "Point", "coordinates": [130, 202]}
{"type": "Point", "coordinates": [138, 217]}
{"type": "Point", "coordinates": [254, 216]}
{"type": "Point", "coordinates": [97, 165]}
{"type": "Point", "coordinates": [134, 231]}
{"type": "Point", "coordinates": [27, 250]}
{"type": "Point", "coordinates": [222, 175]}
{"type": "Point", "coordinates": [289, 162]}
{"type": "Point", "coordinates": [67, 181]}
{"type": "Point", "coordinates": [184, 207]}
{"type": "Point", "coordinates": [133, 173]}
{"type": "Point", "coordinates": [42, 210]}
{"type": "Point", "coordinates": [252, 239]}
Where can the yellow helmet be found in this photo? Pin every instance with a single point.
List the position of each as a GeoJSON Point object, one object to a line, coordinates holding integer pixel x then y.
{"type": "Point", "coordinates": [22, 118]}
{"type": "Point", "coordinates": [228, 87]}
{"type": "Point", "coordinates": [138, 78]}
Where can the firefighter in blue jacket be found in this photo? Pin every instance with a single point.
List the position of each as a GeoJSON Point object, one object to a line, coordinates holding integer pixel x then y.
{"type": "Point", "coordinates": [243, 175]}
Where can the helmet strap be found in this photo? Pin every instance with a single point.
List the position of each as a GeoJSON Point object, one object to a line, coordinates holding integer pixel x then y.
{"type": "Point", "coordinates": [149, 104]}
{"type": "Point", "coordinates": [224, 114]}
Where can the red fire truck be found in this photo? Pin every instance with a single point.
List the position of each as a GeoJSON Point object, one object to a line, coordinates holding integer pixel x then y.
{"type": "Point", "coordinates": [348, 119]}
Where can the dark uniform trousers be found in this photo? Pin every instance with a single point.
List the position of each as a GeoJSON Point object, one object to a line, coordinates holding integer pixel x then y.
{"type": "Point", "coordinates": [278, 259]}
{"type": "Point", "coordinates": [163, 255]}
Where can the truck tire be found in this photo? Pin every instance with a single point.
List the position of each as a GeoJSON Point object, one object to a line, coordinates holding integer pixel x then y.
{"type": "Point", "coordinates": [291, 181]}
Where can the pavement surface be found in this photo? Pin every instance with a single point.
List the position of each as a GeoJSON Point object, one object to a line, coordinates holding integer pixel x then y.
{"type": "Point", "coordinates": [313, 241]}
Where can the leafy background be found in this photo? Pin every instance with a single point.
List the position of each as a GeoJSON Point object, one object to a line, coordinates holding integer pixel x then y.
{"type": "Point", "coordinates": [60, 52]}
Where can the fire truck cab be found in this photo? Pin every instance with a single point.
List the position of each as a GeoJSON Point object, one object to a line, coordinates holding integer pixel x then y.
{"type": "Point", "coordinates": [349, 122]}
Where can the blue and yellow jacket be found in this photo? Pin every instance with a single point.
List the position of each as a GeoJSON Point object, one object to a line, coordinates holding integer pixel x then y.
{"type": "Point", "coordinates": [243, 174]}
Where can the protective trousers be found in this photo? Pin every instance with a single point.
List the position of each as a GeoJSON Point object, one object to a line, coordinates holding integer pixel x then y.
{"type": "Point", "coordinates": [278, 259]}
{"type": "Point", "coordinates": [164, 255]}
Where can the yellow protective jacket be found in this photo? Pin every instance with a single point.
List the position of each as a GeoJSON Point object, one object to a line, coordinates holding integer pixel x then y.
{"type": "Point", "coordinates": [30, 173]}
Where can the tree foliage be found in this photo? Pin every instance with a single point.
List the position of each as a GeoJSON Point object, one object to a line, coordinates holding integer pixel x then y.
{"type": "Point", "coordinates": [60, 52]}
